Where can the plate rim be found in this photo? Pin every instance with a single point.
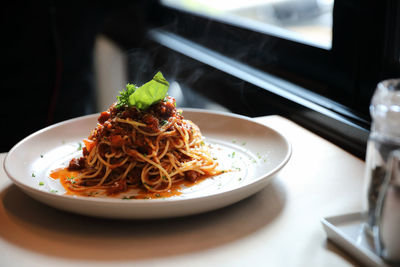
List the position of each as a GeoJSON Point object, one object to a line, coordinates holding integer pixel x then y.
{"type": "Point", "coordinates": [258, 179]}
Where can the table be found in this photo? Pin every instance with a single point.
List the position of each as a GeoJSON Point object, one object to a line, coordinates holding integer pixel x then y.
{"type": "Point", "coordinates": [279, 226]}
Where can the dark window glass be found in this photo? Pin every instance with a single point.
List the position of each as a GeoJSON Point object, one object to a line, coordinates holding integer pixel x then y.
{"type": "Point", "coordinates": [304, 21]}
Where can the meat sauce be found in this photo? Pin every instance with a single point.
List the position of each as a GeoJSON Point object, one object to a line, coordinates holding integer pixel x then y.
{"type": "Point", "coordinates": [159, 115]}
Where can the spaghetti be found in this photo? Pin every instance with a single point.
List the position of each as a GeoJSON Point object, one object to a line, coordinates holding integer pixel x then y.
{"type": "Point", "coordinates": [152, 150]}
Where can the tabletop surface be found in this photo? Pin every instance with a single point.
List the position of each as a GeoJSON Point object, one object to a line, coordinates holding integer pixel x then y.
{"type": "Point", "coordinates": [279, 226]}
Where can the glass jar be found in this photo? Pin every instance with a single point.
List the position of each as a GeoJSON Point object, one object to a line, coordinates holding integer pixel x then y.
{"type": "Point", "coordinates": [384, 138]}
{"type": "Point", "coordinates": [386, 232]}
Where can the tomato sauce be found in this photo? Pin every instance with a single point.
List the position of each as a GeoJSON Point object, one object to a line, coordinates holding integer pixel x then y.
{"type": "Point", "coordinates": [66, 178]}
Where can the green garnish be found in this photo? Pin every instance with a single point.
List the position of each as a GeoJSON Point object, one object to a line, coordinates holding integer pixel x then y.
{"type": "Point", "coordinates": [33, 175]}
{"type": "Point", "coordinates": [79, 146]}
{"type": "Point", "coordinates": [124, 95]}
{"type": "Point", "coordinates": [163, 122]}
{"type": "Point", "coordinates": [146, 95]}
{"type": "Point", "coordinates": [41, 183]}
{"type": "Point", "coordinates": [53, 191]}
{"type": "Point", "coordinates": [71, 179]}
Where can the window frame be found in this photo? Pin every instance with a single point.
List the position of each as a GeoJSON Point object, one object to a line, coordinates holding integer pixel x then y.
{"type": "Point", "coordinates": [339, 81]}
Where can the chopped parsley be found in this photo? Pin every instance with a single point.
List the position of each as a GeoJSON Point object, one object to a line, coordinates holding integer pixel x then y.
{"type": "Point", "coordinates": [41, 183]}
{"type": "Point", "coordinates": [232, 155]}
{"type": "Point", "coordinates": [71, 180]}
{"type": "Point", "coordinates": [124, 95]}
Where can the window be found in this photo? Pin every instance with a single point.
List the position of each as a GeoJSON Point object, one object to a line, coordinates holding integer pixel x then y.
{"type": "Point", "coordinates": [305, 21]}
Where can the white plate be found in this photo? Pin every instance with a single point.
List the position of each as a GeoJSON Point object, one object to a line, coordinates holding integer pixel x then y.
{"type": "Point", "coordinates": [256, 151]}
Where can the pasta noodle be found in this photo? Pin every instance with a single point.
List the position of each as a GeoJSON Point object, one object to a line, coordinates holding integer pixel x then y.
{"type": "Point", "coordinates": [150, 150]}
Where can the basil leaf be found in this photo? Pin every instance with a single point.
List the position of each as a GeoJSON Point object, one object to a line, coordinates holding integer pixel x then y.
{"type": "Point", "coordinates": [149, 93]}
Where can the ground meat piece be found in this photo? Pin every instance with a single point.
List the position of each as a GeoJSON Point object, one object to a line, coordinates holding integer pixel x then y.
{"type": "Point", "coordinates": [166, 108]}
{"type": "Point", "coordinates": [131, 113]}
{"type": "Point", "coordinates": [192, 176]}
{"type": "Point", "coordinates": [85, 152]}
{"type": "Point", "coordinates": [133, 177]}
{"type": "Point", "coordinates": [76, 164]}
{"type": "Point", "coordinates": [140, 141]}
{"type": "Point", "coordinates": [116, 141]}
{"type": "Point", "coordinates": [151, 123]}
{"type": "Point", "coordinates": [117, 187]}
{"type": "Point", "coordinates": [105, 115]}
{"type": "Point", "coordinates": [142, 146]}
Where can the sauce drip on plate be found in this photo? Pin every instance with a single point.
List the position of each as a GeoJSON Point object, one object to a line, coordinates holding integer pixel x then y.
{"type": "Point", "coordinates": [66, 178]}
